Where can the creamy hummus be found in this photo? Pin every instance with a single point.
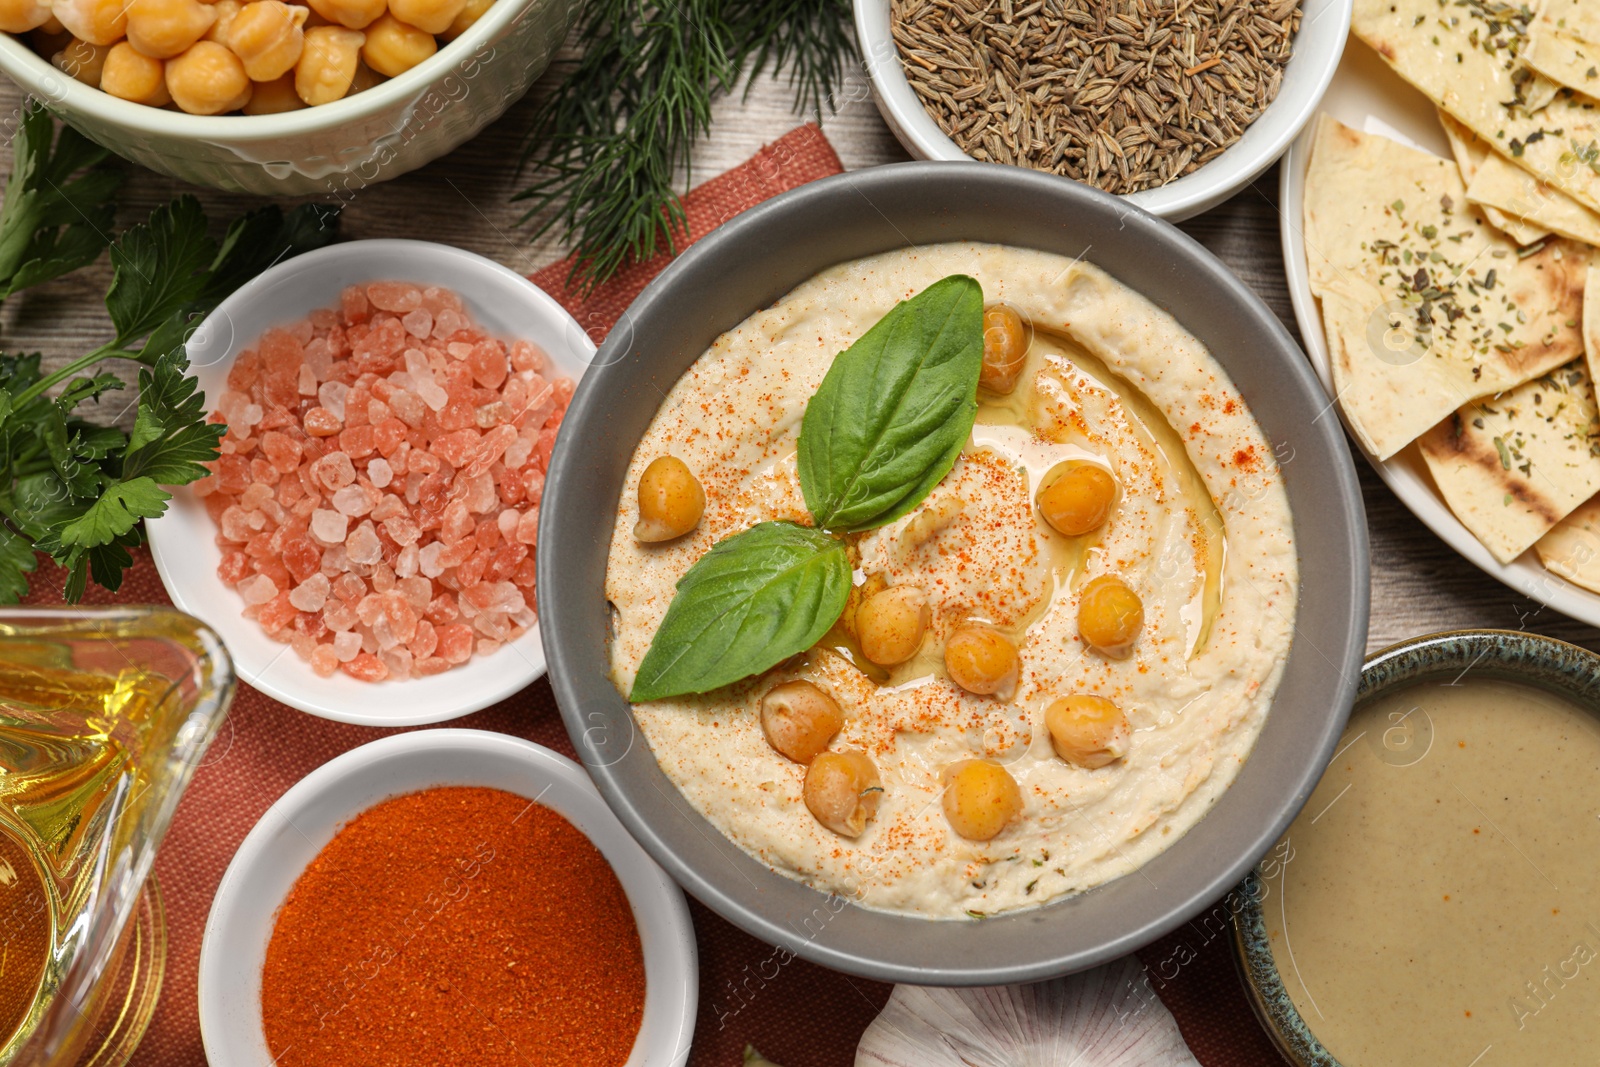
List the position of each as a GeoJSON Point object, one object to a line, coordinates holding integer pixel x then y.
{"type": "Point", "coordinates": [1201, 531]}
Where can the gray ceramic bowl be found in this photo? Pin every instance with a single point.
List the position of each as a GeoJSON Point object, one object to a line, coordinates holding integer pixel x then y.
{"type": "Point", "coordinates": [1532, 659]}
{"type": "Point", "coordinates": [748, 264]}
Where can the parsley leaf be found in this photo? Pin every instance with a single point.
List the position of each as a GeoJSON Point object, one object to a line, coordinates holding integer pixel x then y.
{"type": "Point", "coordinates": [16, 563]}
{"type": "Point", "coordinates": [160, 268]}
{"type": "Point", "coordinates": [57, 213]}
{"type": "Point", "coordinates": [171, 441]}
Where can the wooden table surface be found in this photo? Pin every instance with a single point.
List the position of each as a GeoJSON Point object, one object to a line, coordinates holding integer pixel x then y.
{"type": "Point", "coordinates": [1419, 584]}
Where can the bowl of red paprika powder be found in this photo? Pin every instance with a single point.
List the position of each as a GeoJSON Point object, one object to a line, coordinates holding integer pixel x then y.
{"type": "Point", "coordinates": [446, 896]}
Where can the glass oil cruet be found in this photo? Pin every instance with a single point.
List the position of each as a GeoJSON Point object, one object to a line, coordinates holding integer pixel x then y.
{"type": "Point", "coordinates": [105, 713]}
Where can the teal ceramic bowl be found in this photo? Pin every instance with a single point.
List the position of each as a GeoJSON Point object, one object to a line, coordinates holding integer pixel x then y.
{"type": "Point", "coordinates": [1529, 659]}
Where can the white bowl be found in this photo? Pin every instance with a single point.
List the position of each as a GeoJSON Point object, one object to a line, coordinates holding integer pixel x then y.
{"type": "Point", "coordinates": [296, 828]}
{"type": "Point", "coordinates": [1317, 47]}
{"type": "Point", "coordinates": [183, 541]}
{"type": "Point", "coordinates": [335, 149]}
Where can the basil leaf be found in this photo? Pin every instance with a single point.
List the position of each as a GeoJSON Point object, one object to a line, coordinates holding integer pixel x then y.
{"type": "Point", "coordinates": [895, 409]}
{"type": "Point", "coordinates": [753, 601]}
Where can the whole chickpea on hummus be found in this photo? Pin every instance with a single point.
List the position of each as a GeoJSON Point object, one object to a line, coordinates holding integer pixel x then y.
{"type": "Point", "coordinates": [1047, 670]}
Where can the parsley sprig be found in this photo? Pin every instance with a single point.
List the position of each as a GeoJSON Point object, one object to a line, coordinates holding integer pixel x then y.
{"type": "Point", "coordinates": [68, 486]}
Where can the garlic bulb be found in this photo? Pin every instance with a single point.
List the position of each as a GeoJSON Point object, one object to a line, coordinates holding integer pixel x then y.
{"type": "Point", "coordinates": [1107, 1017]}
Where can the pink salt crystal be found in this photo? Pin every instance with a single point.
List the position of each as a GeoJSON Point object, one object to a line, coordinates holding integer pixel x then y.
{"type": "Point", "coordinates": [432, 394]}
{"type": "Point", "coordinates": [349, 588]}
{"type": "Point", "coordinates": [525, 355]}
{"type": "Point", "coordinates": [487, 646]}
{"type": "Point", "coordinates": [491, 446]}
{"type": "Point", "coordinates": [345, 645]}
{"type": "Point", "coordinates": [456, 524]}
{"type": "Point", "coordinates": [230, 405]}
{"type": "Point", "coordinates": [281, 450]}
{"type": "Point", "coordinates": [353, 304]}
{"type": "Point", "coordinates": [533, 487]}
{"type": "Point", "coordinates": [488, 363]}
{"type": "Point", "coordinates": [442, 609]}
{"type": "Point", "coordinates": [320, 422]}
{"type": "Point", "coordinates": [319, 358]}
{"type": "Point", "coordinates": [417, 591]}
{"type": "Point", "coordinates": [301, 558]}
{"type": "Point", "coordinates": [301, 330]}
{"type": "Point", "coordinates": [382, 634]}
{"type": "Point", "coordinates": [254, 496]}
{"type": "Point", "coordinates": [331, 395]}
{"type": "Point", "coordinates": [408, 408]}
{"type": "Point", "coordinates": [380, 473]}
{"type": "Point", "coordinates": [351, 500]}
{"type": "Point", "coordinates": [401, 617]}
{"type": "Point", "coordinates": [382, 577]}
{"type": "Point", "coordinates": [507, 521]}
{"type": "Point", "coordinates": [417, 366]}
{"type": "Point", "coordinates": [394, 296]}
{"type": "Point", "coordinates": [306, 384]}
{"type": "Point", "coordinates": [335, 560]}
{"type": "Point", "coordinates": [424, 641]}
{"type": "Point", "coordinates": [303, 645]}
{"type": "Point", "coordinates": [430, 665]}
{"type": "Point", "coordinates": [388, 507]}
{"type": "Point", "coordinates": [257, 590]}
{"type": "Point", "coordinates": [458, 349]}
{"type": "Point", "coordinates": [328, 526]}
{"type": "Point", "coordinates": [428, 559]}
{"type": "Point", "coordinates": [492, 624]}
{"type": "Point", "coordinates": [311, 594]}
{"type": "Point", "coordinates": [455, 643]}
{"type": "Point", "coordinates": [363, 545]}
{"type": "Point", "coordinates": [446, 323]}
{"type": "Point", "coordinates": [405, 562]}
{"type": "Point", "coordinates": [418, 323]}
{"type": "Point", "coordinates": [502, 597]}
{"type": "Point", "coordinates": [366, 667]}
{"type": "Point", "coordinates": [517, 452]}
{"type": "Point", "coordinates": [436, 299]}
{"type": "Point", "coordinates": [338, 617]}
{"type": "Point", "coordinates": [480, 493]}
{"type": "Point", "coordinates": [528, 527]}
{"type": "Point", "coordinates": [334, 470]}
{"type": "Point", "coordinates": [236, 524]}
{"type": "Point", "coordinates": [324, 661]}
{"type": "Point", "coordinates": [398, 660]}
{"type": "Point", "coordinates": [403, 529]}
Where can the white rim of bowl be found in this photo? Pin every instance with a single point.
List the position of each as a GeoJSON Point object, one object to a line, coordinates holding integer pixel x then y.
{"type": "Point", "coordinates": [667, 895]}
{"type": "Point", "coordinates": [906, 117]}
{"type": "Point", "coordinates": [54, 87]}
{"type": "Point", "coordinates": [511, 682]}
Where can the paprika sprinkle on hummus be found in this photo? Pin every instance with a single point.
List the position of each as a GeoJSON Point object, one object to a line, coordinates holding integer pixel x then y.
{"type": "Point", "coordinates": [454, 925]}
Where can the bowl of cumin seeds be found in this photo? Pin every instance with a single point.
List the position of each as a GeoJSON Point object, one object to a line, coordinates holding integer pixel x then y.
{"type": "Point", "coordinates": [1173, 104]}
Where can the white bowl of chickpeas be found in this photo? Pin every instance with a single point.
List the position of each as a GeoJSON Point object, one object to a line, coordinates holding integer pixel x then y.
{"type": "Point", "coordinates": [280, 98]}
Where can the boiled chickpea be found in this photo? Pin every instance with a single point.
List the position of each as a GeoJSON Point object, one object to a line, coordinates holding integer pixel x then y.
{"type": "Point", "coordinates": [981, 660]}
{"type": "Point", "coordinates": [227, 11]}
{"type": "Point", "coordinates": [890, 624]}
{"type": "Point", "coordinates": [208, 80]}
{"type": "Point", "coordinates": [980, 798]}
{"type": "Point", "coordinates": [393, 48]}
{"type": "Point", "coordinates": [671, 500]}
{"type": "Point", "coordinates": [799, 719]}
{"type": "Point", "coordinates": [162, 29]}
{"type": "Point", "coordinates": [130, 75]}
{"type": "Point", "coordinates": [429, 16]}
{"type": "Point", "coordinates": [1089, 731]}
{"type": "Point", "coordinates": [1005, 348]}
{"type": "Point", "coordinates": [842, 789]}
{"type": "Point", "coordinates": [470, 13]}
{"type": "Point", "coordinates": [352, 14]}
{"type": "Point", "coordinates": [82, 61]}
{"type": "Point", "coordinates": [1110, 615]}
{"type": "Point", "coordinates": [274, 97]}
{"type": "Point", "coordinates": [267, 37]}
{"type": "Point", "coordinates": [1079, 500]}
{"type": "Point", "coordinates": [327, 64]}
{"type": "Point", "coordinates": [100, 22]}
{"type": "Point", "coordinates": [20, 16]}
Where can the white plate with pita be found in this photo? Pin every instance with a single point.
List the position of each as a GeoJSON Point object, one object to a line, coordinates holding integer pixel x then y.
{"type": "Point", "coordinates": [1368, 96]}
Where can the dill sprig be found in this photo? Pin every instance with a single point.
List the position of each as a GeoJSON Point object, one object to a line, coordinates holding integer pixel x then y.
{"type": "Point", "coordinates": [611, 139]}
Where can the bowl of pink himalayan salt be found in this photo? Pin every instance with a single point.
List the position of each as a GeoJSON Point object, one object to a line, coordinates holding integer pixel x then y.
{"type": "Point", "coordinates": [366, 542]}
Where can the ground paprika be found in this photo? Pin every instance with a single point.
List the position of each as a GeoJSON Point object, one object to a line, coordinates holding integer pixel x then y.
{"type": "Point", "coordinates": [455, 925]}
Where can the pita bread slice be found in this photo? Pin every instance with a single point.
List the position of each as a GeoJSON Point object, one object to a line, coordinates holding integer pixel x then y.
{"type": "Point", "coordinates": [1564, 43]}
{"type": "Point", "coordinates": [1591, 320]}
{"type": "Point", "coordinates": [1572, 549]}
{"type": "Point", "coordinates": [1471, 154]}
{"type": "Point", "coordinates": [1512, 466]}
{"type": "Point", "coordinates": [1425, 305]}
{"type": "Point", "coordinates": [1464, 57]}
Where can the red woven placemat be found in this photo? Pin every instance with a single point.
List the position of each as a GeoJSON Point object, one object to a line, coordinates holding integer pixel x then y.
{"type": "Point", "coordinates": [798, 1014]}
